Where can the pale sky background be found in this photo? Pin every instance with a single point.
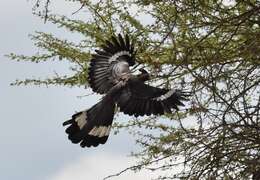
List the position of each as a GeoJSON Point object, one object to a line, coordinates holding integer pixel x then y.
{"type": "Point", "coordinates": [33, 145]}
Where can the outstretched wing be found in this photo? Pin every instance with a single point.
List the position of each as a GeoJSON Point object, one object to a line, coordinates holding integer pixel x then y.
{"type": "Point", "coordinates": [113, 51]}
{"type": "Point", "coordinates": [140, 99]}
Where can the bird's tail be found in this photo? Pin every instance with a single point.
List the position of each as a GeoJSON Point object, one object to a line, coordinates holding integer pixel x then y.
{"type": "Point", "coordinates": [91, 127]}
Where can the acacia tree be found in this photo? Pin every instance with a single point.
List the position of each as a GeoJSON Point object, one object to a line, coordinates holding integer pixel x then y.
{"type": "Point", "coordinates": [211, 48]}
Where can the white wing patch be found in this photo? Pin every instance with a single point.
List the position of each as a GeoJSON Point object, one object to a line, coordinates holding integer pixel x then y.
{"type": "Point", "coordinates": [117, 55]}
{"type": "Point", "coordinates": [165, 96]}
{"type": "Point", "coordinates": [81, 120]}
{"type": "Point", "coordinates": [100, 131]}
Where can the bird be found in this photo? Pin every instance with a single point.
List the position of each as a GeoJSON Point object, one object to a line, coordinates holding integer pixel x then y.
{"type": "Point", "coordinates": [110, 75]}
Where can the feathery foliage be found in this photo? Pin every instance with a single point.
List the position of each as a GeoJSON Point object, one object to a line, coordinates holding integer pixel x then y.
{"type": "Point", "coordinates": [211, 48]}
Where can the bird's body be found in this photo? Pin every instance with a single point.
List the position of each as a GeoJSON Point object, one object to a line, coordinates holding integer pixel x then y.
{"type": "Point", "coordinates": [110, 74]}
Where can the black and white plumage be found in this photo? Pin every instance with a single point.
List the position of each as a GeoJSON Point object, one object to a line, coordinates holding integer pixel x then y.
{"type": "Point", "coordinates": [109, 63]}
{"type": "Point", "coordinates": [109, 74]}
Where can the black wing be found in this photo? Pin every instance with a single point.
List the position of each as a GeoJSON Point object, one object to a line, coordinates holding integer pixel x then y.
{"type": "Point", "coordinates": [140, 99]}
{"type": "Point", "coordinates": [117, 49]}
